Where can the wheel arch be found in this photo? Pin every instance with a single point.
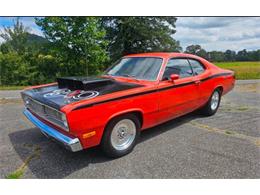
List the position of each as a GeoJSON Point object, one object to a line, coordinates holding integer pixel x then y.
{"type": "Point", "coordinates": [138, 112]}
{"type": "Point", "coordinates": [219, 87]}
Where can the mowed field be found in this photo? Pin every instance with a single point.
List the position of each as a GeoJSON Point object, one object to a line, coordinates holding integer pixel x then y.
{"type": "Point", "coordinates": [243, 70]}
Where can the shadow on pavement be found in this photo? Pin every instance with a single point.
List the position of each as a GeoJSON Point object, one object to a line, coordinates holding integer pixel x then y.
{"type": "Point", "coordinates": [54, 161]}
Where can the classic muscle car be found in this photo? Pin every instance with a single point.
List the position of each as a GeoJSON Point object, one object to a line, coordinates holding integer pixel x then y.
{"type": "Point", "coordinates": [138, 92]}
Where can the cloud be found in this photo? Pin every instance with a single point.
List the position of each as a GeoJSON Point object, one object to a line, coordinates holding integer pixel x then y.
{"type": "Point", "coordinates": [219, 33]}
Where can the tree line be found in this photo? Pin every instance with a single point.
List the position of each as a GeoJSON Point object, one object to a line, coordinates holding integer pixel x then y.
{"type": "Point", "coordinates": [80, 46]}
{"type": "Point", "coordinates": [227, 56]}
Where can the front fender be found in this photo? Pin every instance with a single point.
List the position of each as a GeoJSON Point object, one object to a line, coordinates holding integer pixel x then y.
{"type": "Point", "coordinates": [125, 112]}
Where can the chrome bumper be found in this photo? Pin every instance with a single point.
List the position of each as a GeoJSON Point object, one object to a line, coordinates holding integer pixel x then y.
{"type": "Point", "coordinates": [72, 144]}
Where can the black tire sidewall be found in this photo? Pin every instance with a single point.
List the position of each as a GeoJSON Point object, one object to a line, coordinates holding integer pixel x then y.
{"type": "Point", "coordinates": [207, 108]}
{"type": "Point", "coordinates": [106, 140]}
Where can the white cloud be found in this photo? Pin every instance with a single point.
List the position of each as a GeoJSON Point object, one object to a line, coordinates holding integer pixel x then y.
{"type": "Point", "coordinates": [219, 33]}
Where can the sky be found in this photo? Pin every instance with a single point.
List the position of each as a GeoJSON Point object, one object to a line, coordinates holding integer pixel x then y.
{"type": "Point", "coordinates": [212, 33]}
{"type": "Point", "coordinates": [219, 33]}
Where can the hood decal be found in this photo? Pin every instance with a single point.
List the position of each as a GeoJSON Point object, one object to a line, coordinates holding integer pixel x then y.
{"type": "Point", "coordinates": [72, 89]}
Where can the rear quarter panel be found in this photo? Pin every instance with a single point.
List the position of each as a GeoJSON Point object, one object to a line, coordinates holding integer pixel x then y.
{"type": "Point", "coordinates": [213, 78]}
{"type": "Point", "coordinates": [226, 82]}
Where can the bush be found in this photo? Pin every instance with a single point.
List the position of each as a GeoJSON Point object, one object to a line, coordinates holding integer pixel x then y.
{"type": "Point", "coordinates": [28, 69]}
{"type": "Point", "coordinates": [14, 69]}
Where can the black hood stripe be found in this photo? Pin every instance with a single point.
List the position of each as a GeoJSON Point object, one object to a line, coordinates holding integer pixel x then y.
{"type": "Point", "coordinates": [150, 91]}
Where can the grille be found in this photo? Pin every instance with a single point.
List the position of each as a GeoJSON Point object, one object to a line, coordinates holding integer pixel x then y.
{"type": "Point", "coordinates": [52, 113]}
{"type": "Point", "coordinates": [35, 107]}
{"type": "Point", "coordinates": [44, 111]}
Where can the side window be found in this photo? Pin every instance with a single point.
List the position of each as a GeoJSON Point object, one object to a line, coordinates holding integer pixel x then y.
{"type": "Point", "coordinates": [197, 67]}
{"type": "Point", "coordinates": [177, 66]}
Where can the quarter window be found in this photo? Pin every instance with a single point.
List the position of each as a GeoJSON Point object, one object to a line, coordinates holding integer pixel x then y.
{"type": "Point", "coordinates": [197, 67]}
{"type": "Point", "coordinates": [177, 66]}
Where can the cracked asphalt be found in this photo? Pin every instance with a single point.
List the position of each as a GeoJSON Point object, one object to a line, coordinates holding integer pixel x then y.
{"type": "Point", "coordinates": [226, 145]}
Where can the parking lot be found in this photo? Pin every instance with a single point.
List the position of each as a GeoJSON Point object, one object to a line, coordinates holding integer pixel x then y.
{"type": "Point", "coordinates": [226, 145]}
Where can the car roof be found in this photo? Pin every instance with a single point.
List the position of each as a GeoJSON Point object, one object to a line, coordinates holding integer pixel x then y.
{"type": "Point", "coordinates": [162, 55]}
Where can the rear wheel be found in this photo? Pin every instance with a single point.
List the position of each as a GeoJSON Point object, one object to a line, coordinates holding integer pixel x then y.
{"type": "Point", "coordinates": [213, 103]}
{"type": "Point", "coordinates": [121, 135]}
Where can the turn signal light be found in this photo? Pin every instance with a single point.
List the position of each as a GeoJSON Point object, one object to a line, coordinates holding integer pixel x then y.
{"type": "Point", "coordinates": [90, 134]}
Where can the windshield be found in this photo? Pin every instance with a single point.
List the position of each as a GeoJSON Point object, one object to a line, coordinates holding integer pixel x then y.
{"type": "Point", "coordinates": [143, 68]}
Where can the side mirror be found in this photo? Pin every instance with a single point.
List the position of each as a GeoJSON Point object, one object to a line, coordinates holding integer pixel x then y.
{"type": "Point", "coordinates": [174, 77]}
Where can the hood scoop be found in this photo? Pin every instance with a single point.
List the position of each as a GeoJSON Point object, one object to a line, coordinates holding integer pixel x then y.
{"type": "Point", "coordinates": [83, 83]}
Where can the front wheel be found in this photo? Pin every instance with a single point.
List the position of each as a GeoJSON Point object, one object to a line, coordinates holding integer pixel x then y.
{"type": "Point", "coordinates": [212, 105]}
{"type": "Point", "coordinates": [121, 135]}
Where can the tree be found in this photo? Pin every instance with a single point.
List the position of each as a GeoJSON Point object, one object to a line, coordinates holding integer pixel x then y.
{"type": "Point", "coordinates": [254, 55]}
{"type": "Point", "coordinates": [193, 49]}
{"type": "Point", "coordinates": [230, 55]}
{"type": "Point", "coordinates": [15, 37]}
{"type": "Point", "coordinates": [242, 55]}
{"type": "Point", "coordinates": [78, 41]}
{"type": "Point", "coordinates": [216, 56]}
{"type": "Point", "coordinates": [128, 35]}
{"type": "Point", "coordinates": [196, 50]}
{"type": "Point", "coordinates": [14, 70]}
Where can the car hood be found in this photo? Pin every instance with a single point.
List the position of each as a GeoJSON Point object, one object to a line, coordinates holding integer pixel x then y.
{"type": "Point", "coordinates": [73, 89]}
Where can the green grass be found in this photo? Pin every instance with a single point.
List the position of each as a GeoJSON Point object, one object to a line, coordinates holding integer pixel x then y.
{"type": "Point", "coordinates": [243, 70]}
{"type": "Point", "coordinates": [242, 108]}
{"type": "Point", "coordinates": [228, 132]}
{"type": "Point", "coordinates": [11, 87]}
{"type": "Point", "coordinates": [15, 175]}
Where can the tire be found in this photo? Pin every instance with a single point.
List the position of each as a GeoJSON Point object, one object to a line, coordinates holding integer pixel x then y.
{"type": "Point", "coordinates": [121, 135]}
{"type": "Point", "coordinates": [212, 105]}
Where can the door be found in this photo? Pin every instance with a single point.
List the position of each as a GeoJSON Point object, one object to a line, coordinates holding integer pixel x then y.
{"type": "Point", "coordinates": [200, 72]}
{"type": "Point", "coordinates": [179, 97]}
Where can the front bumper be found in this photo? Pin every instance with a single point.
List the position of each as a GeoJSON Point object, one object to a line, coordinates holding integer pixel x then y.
{"type": "Point", "coordinates": [72, 144]}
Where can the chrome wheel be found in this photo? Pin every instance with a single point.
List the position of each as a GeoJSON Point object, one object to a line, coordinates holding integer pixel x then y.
{"type": "Point", "coordinates": [123, 134]}
{"type": "Point", "coordinates": [214, 100]}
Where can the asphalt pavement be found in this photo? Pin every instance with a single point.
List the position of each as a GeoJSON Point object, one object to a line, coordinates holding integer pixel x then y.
{"type": "Point", "coordinates": [226, 145]}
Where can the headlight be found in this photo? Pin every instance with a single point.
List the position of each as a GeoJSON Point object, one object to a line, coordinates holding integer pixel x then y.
{"type": "Point", "coordinates": [64, 120]}
{"type": "Point", "coordinates": [26, 100]}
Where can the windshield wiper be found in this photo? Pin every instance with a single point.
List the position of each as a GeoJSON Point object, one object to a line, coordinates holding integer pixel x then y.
{"type": "Point", "coordinates": [131, 76]}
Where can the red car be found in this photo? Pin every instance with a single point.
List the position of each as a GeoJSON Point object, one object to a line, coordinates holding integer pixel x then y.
{"type": "Point", "coordinates": [136, 93]}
